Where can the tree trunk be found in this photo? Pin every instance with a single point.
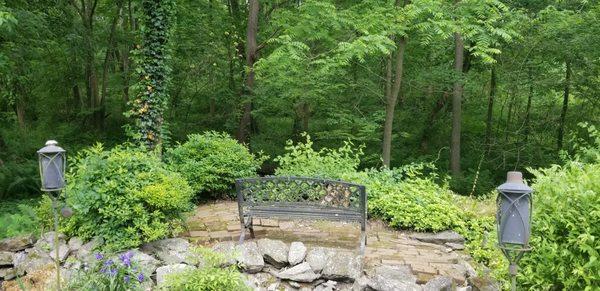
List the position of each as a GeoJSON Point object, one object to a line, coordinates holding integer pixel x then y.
{"type": "Point", "coordinates": [392, 99]}
{"type": "Point", "coordinates": [490, 109]}
{"type": "Point", "coordinates": [101, 111]}
{"type": "Point", "coordinates": [526, 123]}
{"type": "Point", "coordinates": [565, 106]}
{"type": "Point", "coordinates": [251, 48]}
{"type": "Point", "coordinates": [437, 108]}
{"type": "Point", "coordinates": [459, 48]}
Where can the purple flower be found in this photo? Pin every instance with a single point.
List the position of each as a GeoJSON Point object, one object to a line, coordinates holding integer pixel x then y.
{"type": "Point", "coordinates": [99, 256]}
{"type": "Point", "coordinates": [103, 270]}
{"type": "Point", "coordinates": [126, 278]}
{"type": "Point", "coordinates": [126, 258]}
{"type": "Point", "coordinates": [112, 272]}
{"type": "Point", "coordinates": [108, 263]}
{"type": "Point", "coordinates": [140, 277]}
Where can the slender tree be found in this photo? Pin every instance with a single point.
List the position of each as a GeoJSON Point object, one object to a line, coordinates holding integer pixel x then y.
{"type": "Point", "coordinates": [457, 91]}
{"type": "Point", "coordinates": [251, 57]}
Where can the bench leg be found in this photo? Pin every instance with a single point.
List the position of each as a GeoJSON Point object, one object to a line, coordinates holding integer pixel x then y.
{"type": "Point", "coordinates": [244, 226]}
{"type": "Point", "coordinates": [363, 237]}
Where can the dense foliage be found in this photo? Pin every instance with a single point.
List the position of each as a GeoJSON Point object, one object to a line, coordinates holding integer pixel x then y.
{"type": "Point", "coordinates": [18, 217]}
{"type": "Point", "coordinates": [565, 240]}
{"type": "Point", "coordinates": [125, 196]}
{"type": "Point", "coordinates": [70, 70]}
{"type": "Point", "coordinates": [212, 161]}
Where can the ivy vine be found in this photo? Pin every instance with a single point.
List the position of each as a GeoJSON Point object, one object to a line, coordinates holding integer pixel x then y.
{"type": "Point", "coordinates": [153, 58]}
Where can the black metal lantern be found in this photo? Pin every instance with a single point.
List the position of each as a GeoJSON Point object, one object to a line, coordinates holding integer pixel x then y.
{"type": "Point", "coordinates": [513, 220]}
{"type": "Point", "coordinates": [52, 162]}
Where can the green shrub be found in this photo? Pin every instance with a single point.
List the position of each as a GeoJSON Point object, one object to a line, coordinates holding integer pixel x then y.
{"type": "Point", "coordinates": [212, 161]}
{"type": "Point", "coordinates": [125, 196]}
{"type": "Point", "coordinates": [566, 229]}
{"type": "Point", "coordinates": [302, 160]}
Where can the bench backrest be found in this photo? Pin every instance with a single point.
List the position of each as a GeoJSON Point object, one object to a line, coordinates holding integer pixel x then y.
{"type": "Point", "coordinates": [302, 190]}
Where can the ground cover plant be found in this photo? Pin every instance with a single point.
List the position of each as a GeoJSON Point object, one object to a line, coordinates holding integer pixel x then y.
{"type": "Point", "coordinates": [211, 275]}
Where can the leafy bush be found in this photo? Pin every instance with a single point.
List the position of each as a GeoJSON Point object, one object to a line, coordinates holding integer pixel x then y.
{"type": "Point", "coordinates": [106, 274]}
{"type": "Point", "coordinates": [125, 196]}
{"type": "Point", "coordinates": [565, 230]}
{"type": "Point", "coordinates": [212, 161]}
{"type": "Point", "coordinates": [302, 160]}
{"type": "Point", "coordinates": [208, 278]}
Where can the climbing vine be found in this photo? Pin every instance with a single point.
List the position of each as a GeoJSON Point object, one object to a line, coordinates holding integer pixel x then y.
{"type": "Point", "coordinates": [152, 57]}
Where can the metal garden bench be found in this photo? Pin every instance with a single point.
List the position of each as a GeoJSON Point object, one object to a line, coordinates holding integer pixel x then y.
{"type": "Point", "coordinates": [301, 198]}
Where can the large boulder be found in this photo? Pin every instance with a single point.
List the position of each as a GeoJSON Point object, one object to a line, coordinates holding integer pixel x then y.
{"type": "Point", "coordinates": [447, 236]}
{"type": "Point", "coordinates": [439, 283]}
{"type": "Point", "coordinates": [86, 252]}
{"type": "Point", "coordinates": [163, 272]}
{"type": "Point", "coordinates": [170, 251]}
{"type": "Point", "coordinates": [297, 253]}
{"type": "Point", "coordinates": [299, 273]}
{"type": "Point", "coordinates": [387, 278]}
{"type": "Point", "coordinates": [75, 244]}
{"type": "Point", "coordinates": [17, 243]}
{"type": "Point", "coordinates": [249, 257]}
{"type": "Point", "coordinates": [342, 266]}
{"type": "Point", "coordinates": [275, 252]}
{"type": "Point", "coordinates": [147, 263]}
{"type": "Point", "coordinates": [31, 260]}
{"type": "Point", "coordinates": [227, 251]}
{"type": "Point", "coordinates": [317, 258]}
{"type": "Point", "coordinates": [6, 258]}
{"type": "Point", "coordinates": [7, 274]}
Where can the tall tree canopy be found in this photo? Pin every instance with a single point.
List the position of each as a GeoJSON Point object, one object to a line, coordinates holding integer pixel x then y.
{"type": "Point", "coordinates": [478, 86]}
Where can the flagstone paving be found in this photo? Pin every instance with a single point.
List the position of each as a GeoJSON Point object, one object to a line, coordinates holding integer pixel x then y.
{"type": "Point", "coordinates": [219, 221]}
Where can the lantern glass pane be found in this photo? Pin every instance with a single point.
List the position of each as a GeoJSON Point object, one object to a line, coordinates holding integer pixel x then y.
{"type": "Point", "coordinates": [52, 167]}
{"type": "Point", "coordinates": [514, 215]}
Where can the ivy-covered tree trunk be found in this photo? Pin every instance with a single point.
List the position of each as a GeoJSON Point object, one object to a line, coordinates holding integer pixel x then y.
{"type": "Point", "coordinates": [153, 66]}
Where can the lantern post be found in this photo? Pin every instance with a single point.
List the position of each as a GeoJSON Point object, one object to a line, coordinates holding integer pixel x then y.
{"type": "Point", "coordinates": [52, 163]}
{"type": "Point", "coordinates": [513, 220]}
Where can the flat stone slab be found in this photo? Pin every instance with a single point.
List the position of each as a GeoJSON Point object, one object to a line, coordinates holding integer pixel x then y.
{"type": "Point", "coordinates": [393, 278]}
{"type": "Point", "coordinates": [18, 243]}
{"type": "Point", "coordinates": [299, 273]}
{"type": "Point", "coordinates": [447, 236]}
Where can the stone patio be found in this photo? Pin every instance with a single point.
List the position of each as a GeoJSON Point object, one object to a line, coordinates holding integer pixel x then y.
{"type": "Point", "coordinates": [219, 221]}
